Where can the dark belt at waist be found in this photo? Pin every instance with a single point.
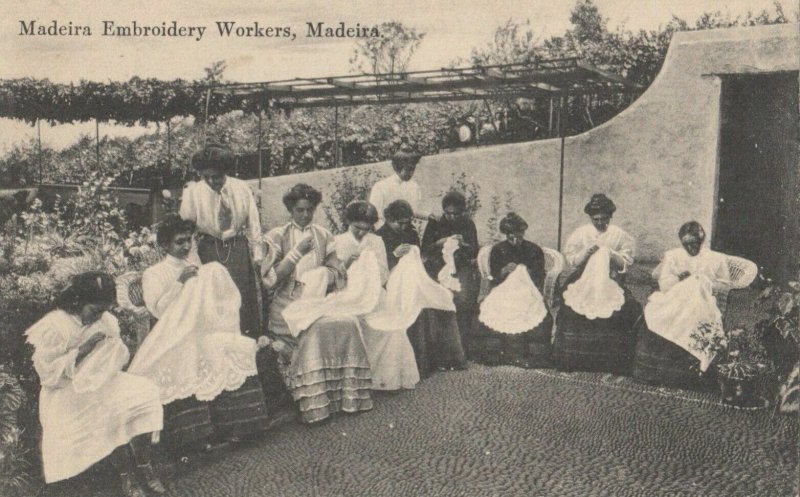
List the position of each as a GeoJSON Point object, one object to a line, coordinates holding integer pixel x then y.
{"type": "Point", "coordinates": [206, 238]}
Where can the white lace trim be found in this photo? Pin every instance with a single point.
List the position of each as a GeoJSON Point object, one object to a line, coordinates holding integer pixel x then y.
{"type": "Point", "coordinates": [595, 295]}
{"type": "Point", "coordinates": [514, 306]}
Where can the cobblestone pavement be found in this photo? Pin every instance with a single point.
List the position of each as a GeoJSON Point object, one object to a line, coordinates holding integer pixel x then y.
{"type": "Point", "coordinates": [510, 432]}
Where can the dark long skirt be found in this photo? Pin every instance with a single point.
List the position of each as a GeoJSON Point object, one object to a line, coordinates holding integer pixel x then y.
{"type": "Point", "coordinates": [661, 362]}
{"type": "Point", "coordinates": [236, 413]}
{"type": "Point", "coordinates": [234, 254]}
{"type": "Point", "coordinates": [436, 341]}
{"type": "Point", "coordinates": [607, 345]}
{"type": "Point", "coordinates": [530, 349]}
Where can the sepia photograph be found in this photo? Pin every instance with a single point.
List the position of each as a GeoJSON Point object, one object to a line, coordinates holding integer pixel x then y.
{"type": "Point", "coordinates": [345, 248]}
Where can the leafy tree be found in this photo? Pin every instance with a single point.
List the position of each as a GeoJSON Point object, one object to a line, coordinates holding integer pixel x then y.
{"type": "Point", "coordinates": [512, 43]}
{"type": "Point", "coordinates": [390, 53]}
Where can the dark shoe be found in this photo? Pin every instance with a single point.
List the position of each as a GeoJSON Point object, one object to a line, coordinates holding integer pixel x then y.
{"type": "Point", "coordinates": [130, 487]}
{"type": "Point", "coordinates": [151, 480]}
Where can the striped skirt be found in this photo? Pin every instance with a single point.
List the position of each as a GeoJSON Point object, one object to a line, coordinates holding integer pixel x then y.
{"type": "Point", "coordinates": [605, 345]}
{"type": "Point", "coordinates": [231, 414]}
{"type": "Point", "coordinates": [326, 368]}
{"type": "Point", "coordinates": [661, 362]}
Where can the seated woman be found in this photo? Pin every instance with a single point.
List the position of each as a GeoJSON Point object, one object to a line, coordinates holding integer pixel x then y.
{"type": "Point", "coordinates": [457, 228]}
{"type": "Point", "coordinates": [390, 353]}
{"type": "Point", "coordinates": [434, 336]}
{"type": "Point", "coordinates": [595, 323]}
{"type": "Point", "coordinates": [88, 407]}
{"type": "Point", "coordinates": [688, 279]}
{"type": "Point", "coordinates": [199, 401]}
{"type": "Point", "coordinates": [326, 367]}
{"type": "Point", "coordinates": [502, 337]}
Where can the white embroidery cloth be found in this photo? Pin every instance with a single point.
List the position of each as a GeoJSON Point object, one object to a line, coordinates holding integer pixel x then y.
{"type": "Point", "coordinates": [102, 363]}
{"type": "Point", "coordinates": [408, 291]}
{"type": "Point", "coordinates": [678, 312]}
{"type": "Point", "coordinates": [447, 274]}
{"type": "Point", "coordinates": [197, 348]}
{"type": "Point", "coordinates": [515, 305]}
{"type": "Point", "coordinates": [347, 246]}
{"type": "Point", "coordinates": [595, 294]}
{"type": "Point", "coordinates": [360, 296]}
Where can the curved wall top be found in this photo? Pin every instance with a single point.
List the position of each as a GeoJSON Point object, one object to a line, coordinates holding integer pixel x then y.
{"type": "Point", "coordinates": [657, 159]}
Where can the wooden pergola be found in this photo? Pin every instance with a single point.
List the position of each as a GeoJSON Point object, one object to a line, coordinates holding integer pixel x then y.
{"type": "Point", "coordinates": [553, 79]}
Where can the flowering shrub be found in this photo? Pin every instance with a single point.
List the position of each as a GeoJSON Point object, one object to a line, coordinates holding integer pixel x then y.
{"type": "Point", "coordinates": [738, 354]}
{"type": "Point", "coordinates": [92, 214]}
{"type": "Point", "coordinates": [470, 190]}
{"type": "Point", "coordinates": [348, 184]}
{"type": "Point", "coordinates": [142, 249]}
{"type": "Point", "coordinates": [782, 336]}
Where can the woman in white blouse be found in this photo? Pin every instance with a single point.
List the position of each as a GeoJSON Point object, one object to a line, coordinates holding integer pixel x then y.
{"type": "Point", "coordinates": [391, 356]}
{"type": "Point", "coordinates": [229, 230]}
{"type": "Point", "coordinates": [89, 408]}
{"type": "Point", "coordinates": [188, 421]}
{"type": "Point", "coordinates": [583, 340]}
{"type": "Point", "coordinates": [689, 278]}
{"type": "Point", "coordinates": [399, 186]}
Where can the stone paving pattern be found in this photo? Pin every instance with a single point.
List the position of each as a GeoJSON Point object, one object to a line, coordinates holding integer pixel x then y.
{"type": "Point", "coordinates": [507, 431]}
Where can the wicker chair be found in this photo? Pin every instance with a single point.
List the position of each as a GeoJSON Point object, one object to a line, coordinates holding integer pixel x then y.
{"type": "Point", "coordinates": [743, 272]}
{"type": "Point", "coordinates": [553, 266]}
{"type": "Point", "coordinates": [130, 296]}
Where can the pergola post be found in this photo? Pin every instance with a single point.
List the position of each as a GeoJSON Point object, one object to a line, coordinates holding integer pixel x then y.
{"type": "Point", "coordinates": [335, 135]}
{"type": "Point", "coordinates": [39, 147]}
{"type": "Point", "coordinates": [169, 144]}
{"type": "Point", "coordinates": [260, 158]}
{"type": "Point", "coordinates": [97, 141]}
{"type": "Point", "coordinates": [205, 122]}
{"type": "Point", "coordinates": [560, 176]}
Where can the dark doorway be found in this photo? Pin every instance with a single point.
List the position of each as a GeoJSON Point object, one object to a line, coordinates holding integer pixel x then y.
{"type": "Point", "coordinates": [758, 202]}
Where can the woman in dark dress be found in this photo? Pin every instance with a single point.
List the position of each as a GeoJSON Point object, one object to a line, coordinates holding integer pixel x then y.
{"type": "Point", "coordinates": [593, 343]}
{"type": "Point", "coordinates": [455, 223]}
{"type": "Point", "coordinates": [530, 348]}
{"type": "Point", "coordinates": [434, 336]}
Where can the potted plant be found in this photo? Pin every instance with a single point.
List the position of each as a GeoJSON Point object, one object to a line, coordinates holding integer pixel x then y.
{"type": "Point", "coordinates": [782, 339]}
{"type": "Point", "coordinates": [740, 361]}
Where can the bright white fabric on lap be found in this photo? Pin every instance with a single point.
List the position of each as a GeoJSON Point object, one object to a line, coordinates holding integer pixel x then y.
{"type": "Point", "coordinates": [197, 348]}
{"type": "Point", "coordinates": [102, 363]}
{"type": "Point", "coordinates": [680, 311]}
{"type": "Point", "coordinates": [515, 305]}
{"type": "Point", "coordinates": [595, 295]}
{"type": "Point", "coordinates": [447, 274]}
{"type": "Point", "coordinates": [360, 296]}
{"type": "Point", "coordinates": [408, 291]}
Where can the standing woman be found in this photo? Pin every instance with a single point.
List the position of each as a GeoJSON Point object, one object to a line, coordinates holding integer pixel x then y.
{"type": "Point", "coordinates": [584, 341]}
{"type": "Point", "coordinates": [399, 186]}
{"type": "Point", "coordinates": [229, 230]}
{"type": "Point", "coordinates": [434, 336]}
{"type": "Point", "coordinates": [88, 407]}
{"type": "Point", "coordinates": [455, 223]}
